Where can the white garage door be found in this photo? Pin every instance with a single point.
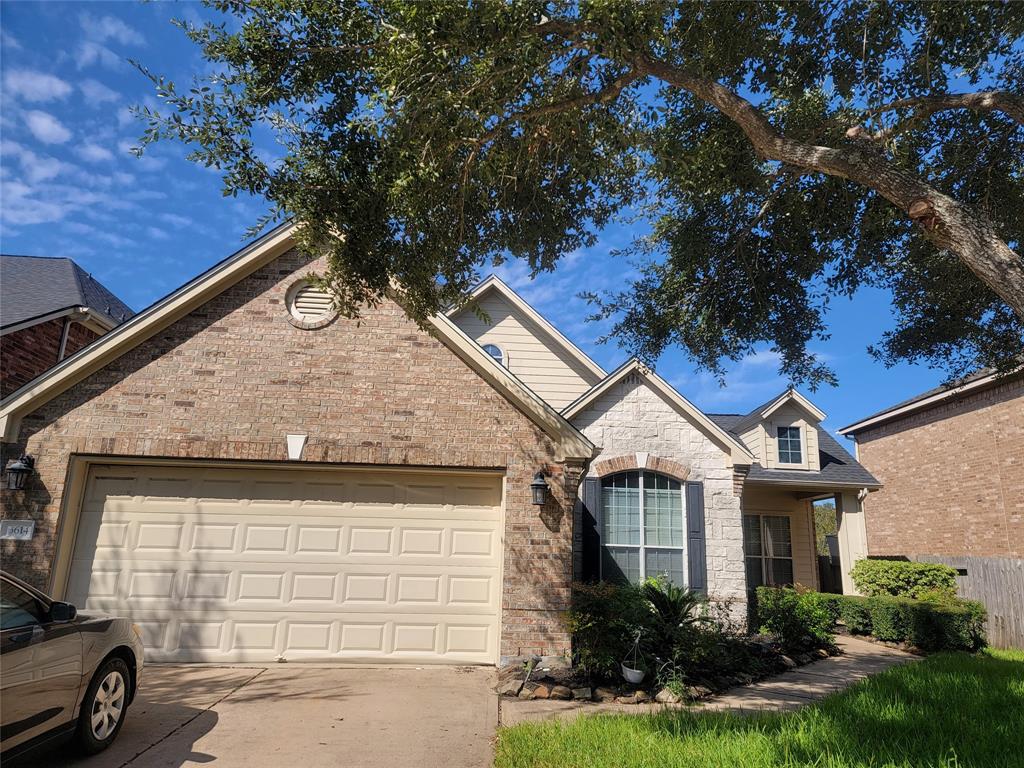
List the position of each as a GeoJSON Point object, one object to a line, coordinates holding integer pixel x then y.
{"type": "Point", "coordinates": [224, 564]}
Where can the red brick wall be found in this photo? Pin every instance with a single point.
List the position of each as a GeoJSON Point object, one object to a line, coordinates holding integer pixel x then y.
{"type": "Point", "coordinates": [29, 352]}
{"type": "Point", "coordinates": [953, 478]}
{"type": "Point", "coordinates": [232, 378]}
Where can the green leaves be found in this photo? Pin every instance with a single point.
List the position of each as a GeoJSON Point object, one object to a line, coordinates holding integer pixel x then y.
{"type": "Point", "coordinates": [423, 142]}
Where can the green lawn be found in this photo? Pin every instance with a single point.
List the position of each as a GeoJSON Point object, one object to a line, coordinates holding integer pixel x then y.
{"type": "Point", "coordinates": [950, 710]}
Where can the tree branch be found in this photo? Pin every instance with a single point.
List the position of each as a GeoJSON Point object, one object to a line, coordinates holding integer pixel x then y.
{"type": "Point", "coordinates": [956, 227]}
{"type": "Point", "coordinates": [1010, 104]}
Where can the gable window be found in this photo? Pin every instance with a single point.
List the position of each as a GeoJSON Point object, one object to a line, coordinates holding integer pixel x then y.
{"type": "Point", "coordinates": [768, 549]}
{"type": "Point", "coordinates": [642, 527]}
{"type": "Point", "coordinates": [789, 446]}
{"type": "Point", "coordinates": [495, 351]}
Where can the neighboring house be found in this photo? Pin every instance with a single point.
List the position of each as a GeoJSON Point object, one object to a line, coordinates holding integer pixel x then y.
{"type": "Point", "coordinates": [952, 460]}
{"type": "Point", "coordinates": [49, 309]}
{"type": "Point", "coordinates": [250, 476]}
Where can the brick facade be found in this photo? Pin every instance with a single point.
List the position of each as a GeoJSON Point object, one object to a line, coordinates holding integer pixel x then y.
{"type": "Point", "coordinates": [229, 380]}
{"type": "Point", "coordinates": [31, 351]}
{"type": "Point", "coordinates": [953, 477]}
{"type": "Point", "coordinates": [632, 417]}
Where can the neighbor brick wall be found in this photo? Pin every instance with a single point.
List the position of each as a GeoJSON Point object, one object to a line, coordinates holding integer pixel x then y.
{"type": "Point", "coordinates": [29, 352]}
{"type": "Point", "coordinates": [232, 378]}
{"type": "Point", "coordinates": [953, 478]}
{"type": "Point", "coordinates": [632, 417]}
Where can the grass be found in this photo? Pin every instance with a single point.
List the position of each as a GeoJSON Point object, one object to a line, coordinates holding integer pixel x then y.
{"type": "Point", "coordinates": [951, 710]}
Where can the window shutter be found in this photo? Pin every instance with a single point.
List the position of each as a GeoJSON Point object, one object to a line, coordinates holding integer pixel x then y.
{"type": "Point", "coordinates": [695, 538]}
{"type": "Point", "coordinates": [591, 529]}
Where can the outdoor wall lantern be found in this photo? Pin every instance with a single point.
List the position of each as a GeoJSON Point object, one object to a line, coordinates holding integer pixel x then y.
{"type": "Point", "coordinates": [18, 471]}
{"type": "Point", "coordinates": [539, 489]}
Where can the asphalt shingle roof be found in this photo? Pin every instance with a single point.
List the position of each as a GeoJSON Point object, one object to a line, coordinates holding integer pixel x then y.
{"type": "Point", "coordinates": [837, 465]}
{"type": "Point", "coordinates": [34, 286]}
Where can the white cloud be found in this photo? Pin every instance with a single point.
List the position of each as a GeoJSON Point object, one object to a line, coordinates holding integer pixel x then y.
{"type": "Point", "coordinates": [35, 168]}
{"type": "Point", "coordinates": [32, 85]}
{"type": "Point", "coordinates": [94, 153]}
{"type": "Point", "coordinates": [46, 128]}
{"type": "Point", "coordinates": [9, 42]}
{"type": "Point", "coordinates": [21, 206]}
{"type": "Point", "coordinates": [175, 220]}
{"type": "Point", "coordinates": [89, 53]}
{"type": "Point", "coordinates": [157, 233]}
{"type": "Point", "coordinates": [104, 28]}
{"type": "Point", "coordinates": [98, 93]}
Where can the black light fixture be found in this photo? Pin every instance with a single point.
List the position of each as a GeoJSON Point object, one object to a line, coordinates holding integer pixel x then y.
{"type": "Point", "coordinates": [539, 489]}
{"type": "Point", "coordinates": [18, 471]}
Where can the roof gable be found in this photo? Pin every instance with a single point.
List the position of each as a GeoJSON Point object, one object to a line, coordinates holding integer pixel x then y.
{"type": "Point", "coordinates": [765, 410]}
{"type": "Point", "coordinates": [571, 443]}
{"type": "Point", "coordinates": [737, 451]}
{"type": "Point", "coordinates": [494, 285]}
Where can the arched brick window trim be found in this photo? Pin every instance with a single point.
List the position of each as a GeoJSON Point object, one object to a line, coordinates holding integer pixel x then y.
{"type": "Point", "coordinates": [634, 461]}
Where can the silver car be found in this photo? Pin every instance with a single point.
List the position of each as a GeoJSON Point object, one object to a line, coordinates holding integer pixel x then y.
{"type": "Point", "coordinates": [62, 673]}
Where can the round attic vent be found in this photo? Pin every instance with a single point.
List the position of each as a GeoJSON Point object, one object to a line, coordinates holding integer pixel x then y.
{"type": "Point", "coordinates": [309, 306]}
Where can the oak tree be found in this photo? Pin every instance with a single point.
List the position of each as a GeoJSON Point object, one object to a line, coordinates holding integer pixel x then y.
{"type": "Point", "coordinates": [770, 156]}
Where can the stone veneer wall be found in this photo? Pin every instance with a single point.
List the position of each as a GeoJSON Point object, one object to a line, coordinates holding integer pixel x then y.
{"type": "Point", "coordinates": [632, 417]}
{"type": "Point", "coordinates": [231, 379]}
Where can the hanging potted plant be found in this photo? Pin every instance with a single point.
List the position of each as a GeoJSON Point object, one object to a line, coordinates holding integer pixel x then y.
{"type": "Point", "coordinates": [633, 665]}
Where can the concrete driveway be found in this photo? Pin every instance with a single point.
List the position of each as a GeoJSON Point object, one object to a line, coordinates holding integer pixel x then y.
{"type": "Point", "coordinates": [304, 716]}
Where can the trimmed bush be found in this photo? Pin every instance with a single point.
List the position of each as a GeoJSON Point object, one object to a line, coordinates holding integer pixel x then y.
{"type": "Point", "coordinates": [801, 621]}
{"type": "Point", "coordinates": [944, 624]}
{"type": "Point", "coordinates": [900, 578]}
{"type": "Point", "coordinates": [891, 618]}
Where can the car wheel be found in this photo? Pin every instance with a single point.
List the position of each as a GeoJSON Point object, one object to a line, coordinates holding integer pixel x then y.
{"type": "Point", "coordinates": [104, 707]}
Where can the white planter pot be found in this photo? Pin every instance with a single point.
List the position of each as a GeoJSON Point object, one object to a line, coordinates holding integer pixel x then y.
{"type": "Point", "coordinates": [633, 676]}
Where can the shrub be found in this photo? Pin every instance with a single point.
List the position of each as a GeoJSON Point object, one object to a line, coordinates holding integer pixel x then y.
{"type": "Point", "coordinates": [950, 626]}
{"type": "Point", "coordinates": [855, 613]}
{"type": "Point", "coordinates": [900, 578]}
{"type": "Point", "coordinates": [603, 621]}
{"type": "Point", "coordinates": [800, 621]}
{"type": "Point", "coordinates": [891, 617]}
{"type": "Point", "coordinates": [937, 624]}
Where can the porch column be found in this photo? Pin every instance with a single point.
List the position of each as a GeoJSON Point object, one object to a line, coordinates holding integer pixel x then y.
{"type": "Point", "coordinates": [852, 535]}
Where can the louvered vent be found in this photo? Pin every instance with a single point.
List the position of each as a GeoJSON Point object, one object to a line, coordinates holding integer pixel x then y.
{"type": "Point", "coordinates": [310, 303]}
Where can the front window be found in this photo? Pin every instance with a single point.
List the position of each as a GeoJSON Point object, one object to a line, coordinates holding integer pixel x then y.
{"type": "Point", "coordinates": [768, 549]}
{"type": "Point", "coordinates": [642, 527]}
{"type": "Point", "coordinates": [789, 445]}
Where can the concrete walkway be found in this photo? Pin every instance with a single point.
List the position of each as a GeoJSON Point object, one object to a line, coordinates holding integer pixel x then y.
{"type": "Point", "coordinates": [786, 692]}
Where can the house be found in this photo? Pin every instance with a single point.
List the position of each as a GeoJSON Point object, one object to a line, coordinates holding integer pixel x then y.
{"type": "Point", "coordinates": [952, 460]}
{"type": "Point", "coordinates": [49, 309]}
{"type": "Point", "coordinates": [251, 476]}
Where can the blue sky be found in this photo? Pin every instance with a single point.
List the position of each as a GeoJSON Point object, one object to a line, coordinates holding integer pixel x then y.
{"type": "Point", "coordinates": [69, 187]}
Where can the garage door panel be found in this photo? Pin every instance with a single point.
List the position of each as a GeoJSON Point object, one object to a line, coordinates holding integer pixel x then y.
{"type": "Point", "coordinates": [305, 564]}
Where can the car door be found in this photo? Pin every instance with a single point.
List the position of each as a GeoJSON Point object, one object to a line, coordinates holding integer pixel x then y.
{"type": "Point", "coordinates": [40, 667]}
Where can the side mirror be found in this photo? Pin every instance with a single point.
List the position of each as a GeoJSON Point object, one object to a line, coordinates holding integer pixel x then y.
{"type": "Point", "coordinates": [62, 612]}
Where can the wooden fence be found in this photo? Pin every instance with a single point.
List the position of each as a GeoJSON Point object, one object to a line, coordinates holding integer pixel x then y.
{"type": "Point", "coordinates": [998, 582]}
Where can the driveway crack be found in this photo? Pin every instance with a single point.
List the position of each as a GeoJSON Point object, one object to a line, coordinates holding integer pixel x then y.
{"type": "Point", "coordinates": [188, 722]}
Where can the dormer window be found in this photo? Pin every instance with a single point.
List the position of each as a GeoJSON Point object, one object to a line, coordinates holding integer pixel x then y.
{"type": "Point", "coordinates": [495, 351]}
{"type": "Point", "coordinates": [789, 446]}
